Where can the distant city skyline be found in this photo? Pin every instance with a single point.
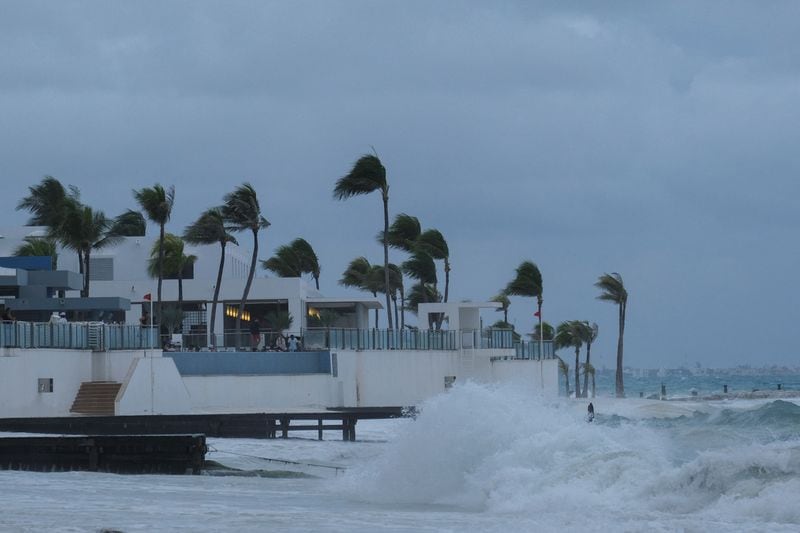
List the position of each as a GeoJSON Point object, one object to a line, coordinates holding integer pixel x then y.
{"type": "Point", "coordinates": [656, 140]}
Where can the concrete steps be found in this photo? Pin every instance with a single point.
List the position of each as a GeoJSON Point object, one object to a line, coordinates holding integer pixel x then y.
{"type": "Point", "coordinates": [96, 398]}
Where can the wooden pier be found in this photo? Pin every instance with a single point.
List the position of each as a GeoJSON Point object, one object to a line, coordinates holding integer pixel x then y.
{"type": "Point", "coordinates": [122, 454]}
{"type": "Point", "coordinates": [267, 425]}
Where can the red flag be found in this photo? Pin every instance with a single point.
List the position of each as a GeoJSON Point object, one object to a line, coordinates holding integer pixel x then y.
{"type": "Point", "coordinates": [537, 314]}
{"type": "Point", "coordinates": [146, 297]}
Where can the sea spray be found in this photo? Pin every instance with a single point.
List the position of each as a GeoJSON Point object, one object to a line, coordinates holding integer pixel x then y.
{"type": "Point", "coordinates": [501, 450]}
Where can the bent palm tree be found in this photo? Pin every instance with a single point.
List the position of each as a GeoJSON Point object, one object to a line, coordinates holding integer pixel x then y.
{"type": "Point", "coordinates": [369, 175]}
{"type": "Point", "coordinates": [242, 212]}
{"type": "Point", "coordinates": [613, 290]}
{"type": "Point", "coordinates": [570, 334]}
{"type": "Point", "coordinates": [293, 260]}
{"type": "Point", "coordinates": [592, 330]}
{"type": "Point", "coordinates": [432, 243]}
{"type": "Point", "coordinates": [504, 302]}
{"type": "Point", "coordinates": [362, 275]}
{"type": "Point", "coordinates": [209, 228]}
{"type": "Point", "coordinates": [527, 282]}
{"type": "Point", "coordinates": [157, 203]}
{"type": "Point", "coordinates": [47, 201]}
{"type": "Point", "coordinates": [129, 224]}
{"type": "Point", "coordinates": [564, 369]}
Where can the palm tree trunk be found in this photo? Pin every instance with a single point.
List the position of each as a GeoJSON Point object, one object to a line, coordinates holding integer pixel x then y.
{"type": "Point", "coordinates": [446, 279]}
{"type": "Point", "coordinates": [160, 271]}
{"type": "Point", "coordinates": [375, 295]}
{"type": "Point", "coordinates": [402, 309]}
{"type": "Point", "coordinates": [577, 373]}
{"type": "Point", "coordinates": [505, 315]}
{"type": "Point", "coordinates": [246, 289]}
{"type": "Point", "coordinates": [396, 319]}
{"type": "Point", "coordinates": [316, 281]}
{"type": "Point", "coordinates": [593, 385]}
{"type": "Point", "coordinates": [85, 291]}
{"type": "Point", "coordinates": [585, 380]}
{"type": "Point", "coordinates": [216, 293]}
{"type": "Point", "coordinates": [620, 387]}
{"type": "Point", "coordinates": [386, 256]}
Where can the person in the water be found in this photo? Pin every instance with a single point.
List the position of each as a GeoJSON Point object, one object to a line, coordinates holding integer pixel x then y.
{"type": "Point", "coordinates": [590, 415]}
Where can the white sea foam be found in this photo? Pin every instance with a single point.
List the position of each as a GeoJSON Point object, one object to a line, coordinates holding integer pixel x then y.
{"type": "Point", "coordinates": [499, 450]}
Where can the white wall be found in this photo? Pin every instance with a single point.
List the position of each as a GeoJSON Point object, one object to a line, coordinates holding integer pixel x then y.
{"type": "Point", "coordinates": [541, 375]}
{"type": "Point", "coordinates": [253, 393]}
{"type": "Point", "coordinates": [153, 386]}
{"type": "Point", "coordinates": [19, 373]}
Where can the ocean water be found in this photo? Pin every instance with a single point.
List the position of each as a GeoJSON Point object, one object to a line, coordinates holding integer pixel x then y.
{"type": "Point", "coordinates": [478, 458]}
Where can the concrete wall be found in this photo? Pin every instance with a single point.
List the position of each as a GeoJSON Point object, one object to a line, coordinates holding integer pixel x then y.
{"type": "Point", "coordinates": [153, 386]}
{"type": "Point", "coordinates": [20, 370]}
{"type": "Point", "coordinates": [541, 375]}
{"type": "Point", "coordinates": [255, 393]}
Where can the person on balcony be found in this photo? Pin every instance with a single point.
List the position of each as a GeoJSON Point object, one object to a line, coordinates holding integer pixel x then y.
{"type": "Point", "coordinates": [255, 334]}
{"type": "Point", "coordinates": [293, 343]}
{"type": "Point", "coordinates": [280, 343]}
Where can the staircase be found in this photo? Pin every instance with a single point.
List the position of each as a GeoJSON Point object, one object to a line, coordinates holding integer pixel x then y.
{"type": "Point", "coordinates": [96, 398]}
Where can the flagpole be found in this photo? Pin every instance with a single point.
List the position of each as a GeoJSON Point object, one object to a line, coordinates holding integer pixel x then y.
{"type": "Point", "coordinates": [151, 326]}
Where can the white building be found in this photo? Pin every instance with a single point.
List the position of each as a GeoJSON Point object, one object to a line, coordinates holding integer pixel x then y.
{"type": "Point", "coordinates": [44, 367]}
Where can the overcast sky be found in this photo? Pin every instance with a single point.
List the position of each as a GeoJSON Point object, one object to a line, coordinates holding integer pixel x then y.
{"type": "Point", "coordinates": [654, 139]}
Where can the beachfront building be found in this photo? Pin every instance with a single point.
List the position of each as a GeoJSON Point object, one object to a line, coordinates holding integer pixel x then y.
{"type": "Point", "coordinates": [50, 369]}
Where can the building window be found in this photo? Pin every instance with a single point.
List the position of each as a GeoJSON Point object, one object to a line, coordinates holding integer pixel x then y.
{"type": "Point", "coordinates": [101, 268]}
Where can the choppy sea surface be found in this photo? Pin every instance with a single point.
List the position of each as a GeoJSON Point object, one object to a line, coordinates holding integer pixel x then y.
{"type": "Point", "coordinates": [478, 458]}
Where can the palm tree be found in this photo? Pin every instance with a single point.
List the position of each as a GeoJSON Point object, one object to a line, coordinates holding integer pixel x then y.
{"type": "Point", "coordinates": [39, 247]}
{"type": "Point", "coordinates": [210, 228]}
{"type": "Point", "coordinates": [591, 331]}
{"type": "Point", "coordinates": [47, 201]}
{"type": "Point", "coordinates": [369, 175]}
{"type": "Point", "coordinates": [396, 279]}
{"type": "Point", "coordinates": [613, 290]}
{"type": "Point", "coordinates": [361, 275]}
{"type": "Point", "coordinates": [421, 293]}
{"type": "Point", "coordinates": [242, 212]}
{"type": "Point", "coordinates": [564, 369]}
{"type": "Point", "coordinates": [527, 282]}
{"type": "Point", "coordinates": [588, 369]}
{"type": "Point", "coordinates": [157, 204]}
{"type": "Point", "coordinates": [502, 299]}
{"type": "Point", "coordinates": [83, 229]}
{"type": "Point", "coordinates": [395, 286]}
{"type": "Point", "coordinates": [175, 261]}
{"type": "Point", "coordinates": [284, 263]}
{"type": "Point", "coordinates": [403, 233]}
{"type": "Point", "coordinates": [129, 224]}
{"type": "Point", "coordinates": [293, 260]}
{"type": "Point", "coordinates": [570, 334]}
{"type": "Point", "coordinates": [548, 330]}
{"type": "Point", "coordinates": [420, 266]}
{"type": "Point", "coordinates": [432, 242]}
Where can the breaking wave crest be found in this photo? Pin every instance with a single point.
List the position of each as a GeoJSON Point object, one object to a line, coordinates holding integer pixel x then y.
{"type": "Point", "coordinates": [502, 450]}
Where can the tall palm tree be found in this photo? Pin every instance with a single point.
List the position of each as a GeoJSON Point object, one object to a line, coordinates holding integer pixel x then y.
{"type": "Point", "coordinates": [420, 266]}
{"type": "Point", "coordinates": [369, 175]}
{"type": "Point", "coordinates": [527, 282]}
{"type": "Point", "coordinates": [570, 334]}
{"type": "Point", "coordinates": [307, 258]}
{"type": "Point", "coordinates": [157, 204]}
{"type": "Point", "coordinates": [242, 212]}
{"type": "Point", "coordinates": [613, 290]}
{"type": "Point", "coordinates": [395, 286]}
{"type": "Point", "coordinates": [47, 201]}
{"type": "Point", "coordinates": [592, 331]}
{"type": "Point", "coordinates": [396, 279]}
{"type": "Point", "coordinates": [361, 275]}
{"type": "Point", "coordinates": [129, 224]}
{"type": "Point", "coordinates": [210, 228]}
{"type": "Point", "coordinates": [39, 247]}
{"type": "Point", "coordinates": [421, 293]}
{"type": "Point", "coordinates": [403, 233]}
{"type": "Point", "coordinates": [83, 229]}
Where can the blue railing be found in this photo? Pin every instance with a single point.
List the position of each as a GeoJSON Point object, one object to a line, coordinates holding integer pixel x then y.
{"type": "Point", "coordinates": [534, 350]}
{"type": "Point", "coordinates": [76, 336]}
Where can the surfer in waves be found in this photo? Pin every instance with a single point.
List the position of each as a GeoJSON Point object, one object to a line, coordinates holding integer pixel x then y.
{"type": "Point", "coordinates": [590, 414]}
